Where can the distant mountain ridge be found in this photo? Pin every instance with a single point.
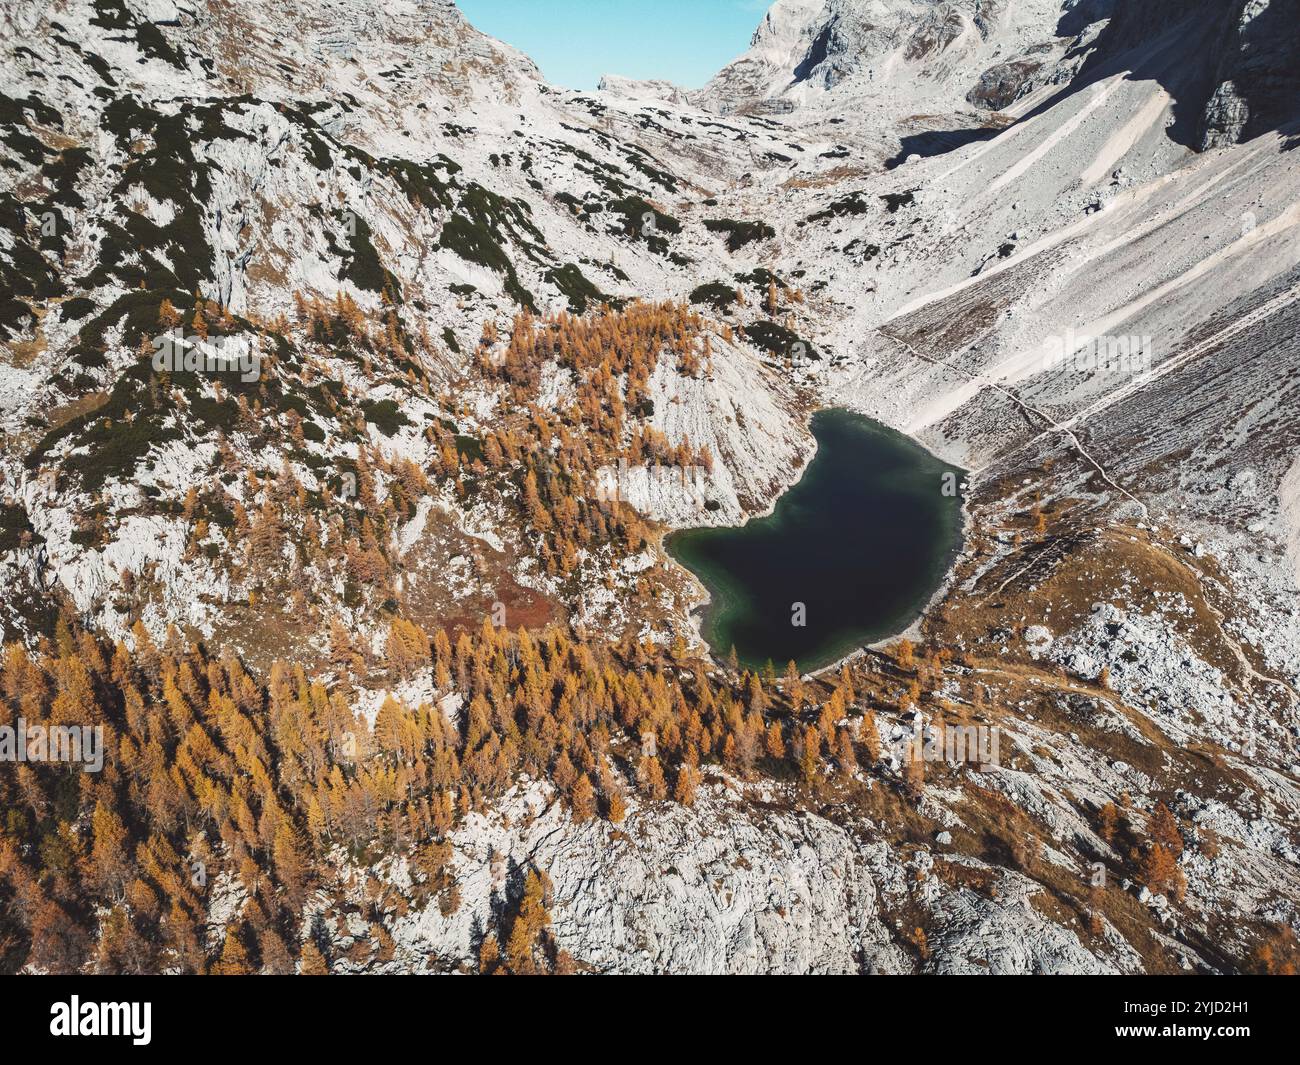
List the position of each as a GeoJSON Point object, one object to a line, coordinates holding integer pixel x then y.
{"type": "Point", "coordinates": [925, 50]}
{"type": "Point", "coordinates": [1236, 68]}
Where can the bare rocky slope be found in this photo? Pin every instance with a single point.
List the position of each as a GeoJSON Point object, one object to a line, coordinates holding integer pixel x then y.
{"type": "Point", "coordinates": [946, 202]}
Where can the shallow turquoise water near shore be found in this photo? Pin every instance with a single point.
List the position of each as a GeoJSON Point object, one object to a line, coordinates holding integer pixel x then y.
{"type": "Point", "coordinates": [862, 541]}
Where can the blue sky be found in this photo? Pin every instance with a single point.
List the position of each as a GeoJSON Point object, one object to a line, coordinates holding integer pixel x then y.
{"type": "Point", "coordinates": [576, 41]}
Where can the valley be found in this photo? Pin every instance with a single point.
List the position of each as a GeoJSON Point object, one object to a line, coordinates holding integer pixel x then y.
{"type": "Point", "coordinates": [391, 635]}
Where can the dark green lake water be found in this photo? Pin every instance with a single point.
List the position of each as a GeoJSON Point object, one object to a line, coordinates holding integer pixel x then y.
{"type": "Point", "coordinates": [862, 541]}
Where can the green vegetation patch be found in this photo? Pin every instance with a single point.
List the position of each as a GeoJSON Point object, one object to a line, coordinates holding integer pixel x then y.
{"type": "Point", "coordinates": [13, 126]}
{"type": "Point", "coordinates": [109, 445]}
{"type": "Point", "coordinates": [14, 522]}
{"type": "Point", "coordinates": [580, 292]}
{"type": "Point", "coordinates": [77, 308]}
{"type": "Point", "coordinates": [644, 222]}
{"type": "Point", "coordinates": [134, 249]}
{"type": "Point", "coordinates": [716, 295]}
{"type": "Point", "coordinates": [25, 274]}
{"type": "Point", "coordinates": [424, 183]}
{"type": "Point", "coordinates": [113, 15]}
{"type": "Point", "coordinates": [470, 447]}
{"type": "Point", "coordinates": [385, 415]}
{"type": "Point", "coordinates": [136, 311]}
{"type": "Point", "coordinates": [853, 204]}
{"type": "Point", "coordinates": [361, 263]}
{"type": "Point", "coordinates": [778, 340]}
{"type": "Point", "coordinates": [481, 227]}
{"type": "Point", "coordinates": [761, 279]}
{"type": "Point", "coordinates": [643, 163]}
{"type": "Point", "coordinates": [740, 233]}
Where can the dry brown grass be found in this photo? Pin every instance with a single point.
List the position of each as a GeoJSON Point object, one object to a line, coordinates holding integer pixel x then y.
{"type": "Point", "coordinates": [91, 401]}
{"type": "Point", "coordinates": [834, 176]}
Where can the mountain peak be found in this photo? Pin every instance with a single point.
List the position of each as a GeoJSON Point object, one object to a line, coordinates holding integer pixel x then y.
{"type": "Point", "coordinates": [642, 88]}
{"type": "Point", "coordinates": [920, 51]}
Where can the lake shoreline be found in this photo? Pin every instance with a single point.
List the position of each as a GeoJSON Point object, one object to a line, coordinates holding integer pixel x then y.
{"type": "Point", "coordinates": [891, 480]}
